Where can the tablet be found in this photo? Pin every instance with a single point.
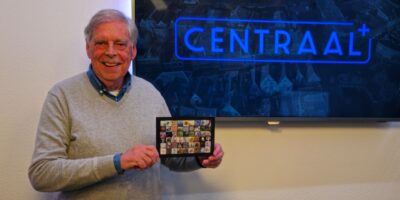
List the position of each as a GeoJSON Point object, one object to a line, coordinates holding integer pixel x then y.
{"type": "Point", "coordinates": [185, 136]}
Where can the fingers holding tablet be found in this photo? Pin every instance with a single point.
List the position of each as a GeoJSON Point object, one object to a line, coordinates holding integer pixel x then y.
{"type": "Point", "coordinates": [140, 157]}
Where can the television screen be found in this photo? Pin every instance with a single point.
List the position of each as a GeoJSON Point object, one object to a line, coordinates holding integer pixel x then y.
{"type": "Point", "coordinates": [284, 59]}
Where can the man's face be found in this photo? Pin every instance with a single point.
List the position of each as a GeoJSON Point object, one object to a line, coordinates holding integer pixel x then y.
{"type": "Point", "coordinates": [111, 52]}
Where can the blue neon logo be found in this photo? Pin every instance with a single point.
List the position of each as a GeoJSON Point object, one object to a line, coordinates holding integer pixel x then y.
{"type": "Point", "coordinates": [216, 39]}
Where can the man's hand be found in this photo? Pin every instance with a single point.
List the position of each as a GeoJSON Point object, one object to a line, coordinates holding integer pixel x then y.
{"type": "Point", "coordinates": [139, 157]}
{"type": "Point", "coordinates": [214, 160]}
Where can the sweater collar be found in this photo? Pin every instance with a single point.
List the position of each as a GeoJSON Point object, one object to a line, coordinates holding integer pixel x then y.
{"type": "Point", "coordinates": [102, 90]}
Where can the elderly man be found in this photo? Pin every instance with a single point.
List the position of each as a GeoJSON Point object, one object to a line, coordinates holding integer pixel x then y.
{"type": "Point", "coordinates": [88, 120]}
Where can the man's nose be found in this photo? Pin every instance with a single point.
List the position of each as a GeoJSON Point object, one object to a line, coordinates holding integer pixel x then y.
{"type": "Point", "coordinates": [110, 50]}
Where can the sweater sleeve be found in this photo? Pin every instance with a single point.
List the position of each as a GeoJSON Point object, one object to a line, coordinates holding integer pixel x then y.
{"type": "Point", "coordinates": [181, 164]}
{"type": "Point", "coordinates": [51, 169]}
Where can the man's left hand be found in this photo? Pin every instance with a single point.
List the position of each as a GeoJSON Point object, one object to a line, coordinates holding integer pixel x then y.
{"type": "Point", "coordinates": [214, 160]}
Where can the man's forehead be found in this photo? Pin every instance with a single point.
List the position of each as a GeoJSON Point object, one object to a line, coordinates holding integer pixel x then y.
{"type": "Point", "coordinates": [111, 30]}
{"type": "Point", "coordinates": [113, 26]}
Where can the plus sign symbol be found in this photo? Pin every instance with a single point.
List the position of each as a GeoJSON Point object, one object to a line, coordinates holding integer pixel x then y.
{"type": "Point", "coordinates": [363, 30]}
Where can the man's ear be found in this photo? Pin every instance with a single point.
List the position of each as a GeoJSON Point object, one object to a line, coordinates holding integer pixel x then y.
{"type": "Point", "coordinates": [134, 52]}
{"type": "Point", "coordinates": [87, 50]}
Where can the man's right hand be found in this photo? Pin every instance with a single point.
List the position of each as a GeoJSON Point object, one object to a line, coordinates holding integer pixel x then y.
{"type": "Point", "coordinates": [139, 157]}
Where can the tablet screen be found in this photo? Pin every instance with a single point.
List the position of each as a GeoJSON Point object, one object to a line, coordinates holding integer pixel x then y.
{"type": "Point", "coordinates": [185, 136]}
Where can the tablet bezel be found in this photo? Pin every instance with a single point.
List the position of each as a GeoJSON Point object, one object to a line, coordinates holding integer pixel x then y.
{"type": "Point", "coordinates": [182, 119]}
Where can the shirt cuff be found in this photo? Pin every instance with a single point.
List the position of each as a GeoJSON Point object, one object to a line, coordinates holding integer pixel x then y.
{"type": "Point", "coordinates": [117, 163]}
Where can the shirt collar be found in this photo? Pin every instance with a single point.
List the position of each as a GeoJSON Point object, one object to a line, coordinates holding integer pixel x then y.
{"type": "Point", "coordinates": [102, 90]}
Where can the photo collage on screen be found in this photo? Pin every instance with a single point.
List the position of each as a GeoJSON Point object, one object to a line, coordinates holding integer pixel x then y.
{"type": "Point", "coordinates": [179, 137]}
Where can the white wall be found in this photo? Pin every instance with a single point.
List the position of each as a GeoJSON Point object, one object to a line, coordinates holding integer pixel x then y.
{"type": "Point", "coordinates": [301, 161]}
{"type": "Point", "coordinates": [41, 42]}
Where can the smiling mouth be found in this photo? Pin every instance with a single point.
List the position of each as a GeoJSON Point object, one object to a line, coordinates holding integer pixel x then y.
{"type": "Point", "coordinates": [111, 64]}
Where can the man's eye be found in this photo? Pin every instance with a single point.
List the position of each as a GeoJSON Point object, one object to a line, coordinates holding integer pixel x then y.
{"type": "Point", "coordinates": [100, 43]}
{"type": "Point", "coordinates": [121, 44]}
